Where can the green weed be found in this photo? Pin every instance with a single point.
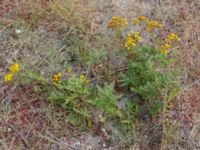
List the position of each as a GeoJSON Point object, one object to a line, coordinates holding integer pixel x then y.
{"type": "Point", "coordinates": [82, 92]}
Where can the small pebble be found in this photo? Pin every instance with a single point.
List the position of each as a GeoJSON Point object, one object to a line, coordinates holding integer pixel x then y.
{"type": "Point", "coordinates": [18, 31]}
{"type": "Point", "coordinates": [9, 129]}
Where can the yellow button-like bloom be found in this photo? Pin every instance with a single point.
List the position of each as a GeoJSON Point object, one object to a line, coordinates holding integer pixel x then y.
{"type": "Point", "coordinates": [142, 18]}
{"type": "Point", "coordinates": [132, 39]}
{"type": "Point", "coordinates": [153, 25]}
{"type": "Point", "coordinates": [69, 70]}
{"type": "Point", "coordinates": [167, 46]}
{"type": "Point", "coordinates": [135, 35]}
{"type": "Point", "coordinates": [14, 68]}
{"type": "Point", "coordinates": [83, 79]}
{"type": "Point", "coordinates": [130, 42]}
{"type": "Point", "coordinates": [173, 37]}
{"type": "Point", "coordinates": [117, 22]}
{"type": "Point", "coordinates": [8, 77]}
{"type": "Point", "coordinates": [164, 49]}
{"type": "Point", "coordinates": [57, 77]}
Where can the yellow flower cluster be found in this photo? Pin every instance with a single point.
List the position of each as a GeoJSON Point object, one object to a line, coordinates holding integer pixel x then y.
{"type": "Point", "coordinates": [117, 22]}
{"type": "Point", "coordinates": [57, 77]}
{"type": "Point", "coordinates": [8, 77]}
{"type": "Point", "coordinates": [151, 25]}
{"type": "Point", "coordinates": [14, 69]}
{"type": "Point", "coordinates": [132, 39]}
{"type": "Point", "coordinates": [173, 37]}
{"type": "Point", "coordinates": [164, 49]}
{"type": "Point", "coordinates": [139, 19]}
{"type": "Point", "coordinates": [83, 79]}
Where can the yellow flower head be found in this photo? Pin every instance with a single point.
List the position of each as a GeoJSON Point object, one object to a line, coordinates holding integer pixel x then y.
{"type": "Point", "coordinates": [153, 25]}
{"type": "Point", "coordinates": [132, 39]}
{"type": "Point", "coordinates": [142, 18]}
{"type": "Point", "coordinates": [8, 77]}
{"type": "Point", "coordinates": [130, 42]}
{"type": "Point", "coordinates": [164, 49]}
{"type": "Point", "coordinates": [117, 22]}
{"type": "Point", "coordinates": [14, 68]}
{"type": "Point", "coordinates": [135, 35]}
{"type": "Point", "coordinates": [83, 79]}
{"type": "Point", "coordinates": [57, 77]}
{"type": "Point", "coordinates": [166, 46]}
{"type": "Point", "coordinates": [173, 37]}
{"type": "Point", "coordinates": [69, 70]}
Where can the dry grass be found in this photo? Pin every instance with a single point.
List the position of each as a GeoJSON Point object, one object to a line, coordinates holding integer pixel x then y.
{"type": "Point", "coordinates": [29, 122]}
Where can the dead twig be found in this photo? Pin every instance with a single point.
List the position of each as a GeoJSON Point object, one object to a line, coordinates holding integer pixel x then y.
{"type": "Point", "coordinates": [66, 146]}
{"type": "Point", "coordinates": [192, 84]}
{"type": "Point", "coordinates": [18, 133]}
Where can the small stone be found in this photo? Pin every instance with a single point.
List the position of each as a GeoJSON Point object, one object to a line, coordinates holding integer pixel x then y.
{"type": "Point", "coordinates": [18, 31]}
{"type": "Point", "coordinates": [9, 129]}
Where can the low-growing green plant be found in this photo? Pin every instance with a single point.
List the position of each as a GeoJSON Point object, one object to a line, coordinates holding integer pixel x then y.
{"type": "Point", "coordinates": [95, 57]}
{"type": "Point", "coordinates": [72, 93]}
{"type": "Point", "coordinates": [146, 76]}
{"type": "Point", "coordinates": [106, 101]}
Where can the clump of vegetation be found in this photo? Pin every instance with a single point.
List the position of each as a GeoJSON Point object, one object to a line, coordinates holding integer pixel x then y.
{"type": "Point", "coordinates": [82, 93]}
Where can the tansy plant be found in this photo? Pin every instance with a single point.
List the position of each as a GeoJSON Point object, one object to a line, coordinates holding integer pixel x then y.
{"type": "Point", "coordinates": [147, 76]}
{"type": "Point", "coordinates": [66, 89]}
